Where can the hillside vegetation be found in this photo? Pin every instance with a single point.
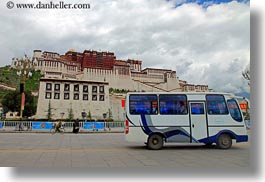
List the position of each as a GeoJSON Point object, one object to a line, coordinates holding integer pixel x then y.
{"type": "Point", "coordinates": [9, 77]}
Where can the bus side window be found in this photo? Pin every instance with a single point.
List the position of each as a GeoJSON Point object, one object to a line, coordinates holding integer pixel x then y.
{"type": "Point", "coordinates": [173, 104]}
{"type": "Point", "coordinates": [154, 107]}
{"type": "Point", "coordinates": [216, 104]}
{"type": "Point", "coordinates": [182, 108]}
{"type": "Point", "coordinates": [213, 108]}
{"type": "Point", "coordinates": [197, 108]}
{"type": "Point", "coordinates": [143, 107]}
{"type": "Point", "coordinates": [234, 110]}
{"type": "Point", "coordinates": [163, 108]}
{"type": "Point", "coordinates": [143, 104]}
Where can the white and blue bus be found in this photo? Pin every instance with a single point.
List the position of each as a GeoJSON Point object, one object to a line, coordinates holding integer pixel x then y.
{"type": "Point", "coordinates": [155, 118]}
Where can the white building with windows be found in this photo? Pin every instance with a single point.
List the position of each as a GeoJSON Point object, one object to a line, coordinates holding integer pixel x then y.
{"type": "Point", "coordinates": [78, 96]}
{"type": "Point", "coordinates": [81, 81]}
{"type": "Point", "coordinates": [103, 66]}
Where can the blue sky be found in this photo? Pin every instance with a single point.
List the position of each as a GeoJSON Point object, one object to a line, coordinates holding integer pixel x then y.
{"type": "Point", "coordinates": [207, 3]}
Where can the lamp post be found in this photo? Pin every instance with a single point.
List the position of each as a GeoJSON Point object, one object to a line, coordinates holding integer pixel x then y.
{"type": "Point", "coordinates": [1, 112]}
{"type": "Point", "coordinates": [24, 67]}
{"type": "Point", "coordinates": [104, 117]}
{"type": "Point", "coordinates": [83, 114]}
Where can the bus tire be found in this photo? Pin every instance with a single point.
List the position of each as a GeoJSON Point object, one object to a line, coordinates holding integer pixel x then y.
{"type": "Point", "coordinates": [224, 141]}
{"type": "Point", "coordinates": [155, 142]}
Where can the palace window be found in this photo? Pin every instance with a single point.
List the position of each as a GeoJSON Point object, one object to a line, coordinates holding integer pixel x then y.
{"type": "Point", "coordinates": [94, 89]}
{"type": "Point", "coordinates": [94, 97]}
{"type": "Point", "coordinates": [101, 89]}
{"type": "Point", "coordinates": [66, 87]}
{"type": "Point", "coordinates": [56, 95]}
{"type": "Point", "coordinates": [101, 98]}
{"type": "Point", "coordinates": [48, 95]}
{"type": "Point", "coordinates": [76, 88]}
{"type": "Point", "coordinates": [85, 97]}
{"type": "Point", "coordinates": [85, 89]}
{"type": "Point", "coordinates": [57, 87]}
{"type": "Point", "coordinates": [66, 96]}
{"type": "Point", "coordinates": [76, 96]}
{"type": "Point", "coordinates": [48, 86]}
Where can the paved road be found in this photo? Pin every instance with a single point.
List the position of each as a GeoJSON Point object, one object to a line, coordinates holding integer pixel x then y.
{"type": "Point", "coordinates": [109, 150]}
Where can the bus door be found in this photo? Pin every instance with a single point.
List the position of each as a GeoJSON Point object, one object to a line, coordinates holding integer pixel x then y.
{"type": "Point", "coordinates": [198, 120]}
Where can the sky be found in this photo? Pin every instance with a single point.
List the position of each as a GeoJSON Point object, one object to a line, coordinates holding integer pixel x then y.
{"type": "Point", "coordinates": [206, 42]}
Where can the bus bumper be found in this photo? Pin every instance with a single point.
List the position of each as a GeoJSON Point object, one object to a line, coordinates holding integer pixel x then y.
{"type": "Point", "coordinates": [241, 138]}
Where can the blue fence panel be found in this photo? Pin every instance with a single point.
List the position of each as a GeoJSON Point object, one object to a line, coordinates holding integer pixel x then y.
{"type": "Point", "coordinates": [99, 126]}
{"type": "Point", "coordinates": [93, 126]}
{"type": "Point", "coordinates": [41, 125]}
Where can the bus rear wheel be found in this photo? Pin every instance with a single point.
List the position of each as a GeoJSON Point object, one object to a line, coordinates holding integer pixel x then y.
{"type": "Point", "coordinates": [155, 142]}
{"type": "Point", "coordinates": [224, 141]}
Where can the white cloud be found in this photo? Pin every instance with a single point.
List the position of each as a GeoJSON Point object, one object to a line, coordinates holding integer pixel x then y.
{"type": "Point", "coordinates": [207, 46]}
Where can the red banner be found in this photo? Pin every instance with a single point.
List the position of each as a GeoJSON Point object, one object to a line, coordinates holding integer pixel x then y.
{"type": "Point", "coordinates": [123, 103]}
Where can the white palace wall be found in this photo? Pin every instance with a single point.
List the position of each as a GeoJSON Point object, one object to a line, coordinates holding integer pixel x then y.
{"type": "Point", "coordinates": [134, 81]}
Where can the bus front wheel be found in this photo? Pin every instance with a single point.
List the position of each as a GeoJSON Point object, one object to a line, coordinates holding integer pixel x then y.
{"type": "Point", "coordinates": [224, 141]}
{"type": "Point", "coordinates": [155, 142]}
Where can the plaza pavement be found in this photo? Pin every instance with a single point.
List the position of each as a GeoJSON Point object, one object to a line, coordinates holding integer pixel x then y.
{"type": "Point", "coordinates": [110, 150]}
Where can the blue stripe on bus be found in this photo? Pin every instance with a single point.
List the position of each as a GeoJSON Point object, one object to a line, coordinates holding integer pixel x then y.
{"type": "Point", "coordinates": [213, 139]}
{"type": "Point", "coordinates": [145, 128]}
{"type": "Point", "coordinates": [167, 134]}
{"type": "Point", "coordinates": [175, 132]}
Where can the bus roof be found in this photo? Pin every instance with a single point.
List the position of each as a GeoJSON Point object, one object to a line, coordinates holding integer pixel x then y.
{"type": "Point", "coordinates": [187, 93]}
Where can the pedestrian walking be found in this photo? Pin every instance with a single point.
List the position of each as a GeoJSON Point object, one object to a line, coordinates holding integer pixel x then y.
{"type": "Point", "coordinates": [58, 125]}
{"type": "Point", "coordinates": [76, 126]}
{"type": "Point", "coordinates": [20, 125]}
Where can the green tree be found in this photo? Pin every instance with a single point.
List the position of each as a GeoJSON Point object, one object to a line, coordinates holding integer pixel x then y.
{"type": "Point", "coordinates": [111, 90]}
{"type": "Point", "coordinates": [32, 82]}
{"type": "Point", "coordinates": [89, 116]}
{"type": "Point", "coordinates": [12, 102]}
{"type": "Point", "coordinates": [110, 117]}
{"type": "Point", "coordinates": [30, 105]}
{"type": "Point", "coordinates": [70, 114]}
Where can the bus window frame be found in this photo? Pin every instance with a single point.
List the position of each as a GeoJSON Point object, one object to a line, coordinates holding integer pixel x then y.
{"type": "Point", "coordinates": [181, 114]}
{"type": "Point", "coordinates": [201, 109]}
{"type": "Point", "coordinates": [151, 113]}
{"type": "Point", "coordinates": [218, 114]}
